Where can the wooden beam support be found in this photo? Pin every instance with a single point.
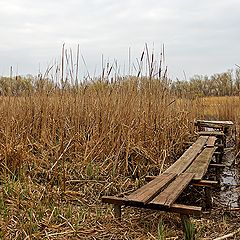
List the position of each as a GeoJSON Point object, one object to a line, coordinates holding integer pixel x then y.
{"type": "Point", "coordinates": [220, 145]}
{"type": "Point", "coordinates": [208, 198]}
{"type": "Point", "coordinates": [217, 153]}
{"type": "Point", "coordinates": [177, 208]}
{"type": "Point", "coordinates": [200, 183]}
{"type": "Point", "coordinates": [117, 211]}
{"type": "Point", "coordinates": [217, 165]}
{"type": "Point", "coordinates": [214, 124]}
{"type": "Point", "coordinates": [205, 183]}
{"type": "Point", "coordinates": [209, 133]}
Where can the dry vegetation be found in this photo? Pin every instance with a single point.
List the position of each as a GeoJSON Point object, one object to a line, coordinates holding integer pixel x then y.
{"type": "Point", "coordinates": [62, 149]}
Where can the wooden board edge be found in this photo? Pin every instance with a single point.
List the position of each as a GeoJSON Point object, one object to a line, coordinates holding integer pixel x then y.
{"type": "Point", "coordinates": [216, 165]}
{"type": "Point", "coordinates": [170, 177]}
{"type": "Point", "coordinates": [214, 133]}
{"type": "Point", "coordinates": [204, 183]}
{"type": "Point", "coordinates": [167, 199]}
{"type": "Point", "coordinates": [195, 182]}
{"type": "Point", "coordinates": [175, 208]}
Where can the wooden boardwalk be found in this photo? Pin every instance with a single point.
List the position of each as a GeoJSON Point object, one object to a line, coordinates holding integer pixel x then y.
{"type": "Point", "coordinates": [162, 191]}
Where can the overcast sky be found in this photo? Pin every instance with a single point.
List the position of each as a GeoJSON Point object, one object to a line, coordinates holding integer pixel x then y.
{"type": "Point", "coordinates": [200, 37]}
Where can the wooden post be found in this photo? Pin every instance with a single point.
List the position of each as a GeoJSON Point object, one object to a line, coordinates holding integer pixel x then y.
{"type": "Point", "coordinates": [224, 141]}
{"type": "Point", "coordinates": [221, 149]}
{"type": "Point", "coordinates": [208, 197]}
{"type": "Point", "coordinates": [218, 158]}
{"type": "Point", "coordinates": [117, 211]}
{"type": "Point", "coordinates": [188, 227]}
{"type": "Point", "coordinates": [216, 155]}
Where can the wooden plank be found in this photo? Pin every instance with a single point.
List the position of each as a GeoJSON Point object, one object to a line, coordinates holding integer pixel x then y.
{"type": "Point", "coordinates": [188, 156]}
{"type": "Point", "coordinates": [173, 191]}
{"type": "Point", "coordinates": [202, 183]}
{"type": "Point", "coordinates": [210, 133]}
{"type": "Point", "coordinates": [147, 192]}
{"type": "Point", "coordinates": [201, 163]}
{"type": "Point", "coordinates": [222, 123]}
{"type": "Point", "coordinates": [211, 141]}
{"type": "Point", "coordinates": [177, 208]}
{"type": "Point", "coordinates": [217, 165]}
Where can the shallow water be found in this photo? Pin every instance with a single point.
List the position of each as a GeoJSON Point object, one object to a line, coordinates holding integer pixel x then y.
{"type": "Point", "coordinates": [229, 182]}
{"type": "Point", "coordinates": [229, 194]}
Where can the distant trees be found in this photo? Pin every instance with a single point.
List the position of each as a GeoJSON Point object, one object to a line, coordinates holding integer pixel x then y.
{"type": "Point", "coordinates": [19, 85]}
{"type": "Point", "coordinates": [224, 84]}
{"type": "Point", "coordinates": [15, 86]}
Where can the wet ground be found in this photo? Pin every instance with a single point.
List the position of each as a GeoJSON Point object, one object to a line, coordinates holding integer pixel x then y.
{"type": "Point", "coordinates": [229, 196]}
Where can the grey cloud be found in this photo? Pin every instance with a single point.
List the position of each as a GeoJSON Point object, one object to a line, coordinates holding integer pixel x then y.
{"type": "Point", "coordinates": [201, 36]}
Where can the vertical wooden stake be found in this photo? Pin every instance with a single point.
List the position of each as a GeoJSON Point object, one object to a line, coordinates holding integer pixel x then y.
{"type": "Point", "coordinates": [217, 170]}
{"type": "Point", "coordinates": [221, 157]}
{"type": "Point", "coordinates": [208, 197]}
{"type": "Point", "coordinates": [224, 141]}
{"type": "Point", "coordinates": [217, 158]}
{"type": "Point", "coordinates": [117, 211]}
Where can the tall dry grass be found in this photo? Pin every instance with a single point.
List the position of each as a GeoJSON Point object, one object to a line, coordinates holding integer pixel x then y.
{"type": "Point", "coordinates": [223, 108]}
{"type": "Point", "coordinates": [100, 133]}
{"type": "Point", "coordinates": [62, 150]}
{"type": "Point", "coordinates": [121, 127]}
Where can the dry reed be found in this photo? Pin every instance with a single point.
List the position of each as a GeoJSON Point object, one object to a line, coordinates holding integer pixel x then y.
{"type": "Point", "coordinates": [62, 149]}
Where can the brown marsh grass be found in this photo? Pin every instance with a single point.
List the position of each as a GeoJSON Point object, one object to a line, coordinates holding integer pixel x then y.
{"type": "Point", "coordinates": [61, 152]}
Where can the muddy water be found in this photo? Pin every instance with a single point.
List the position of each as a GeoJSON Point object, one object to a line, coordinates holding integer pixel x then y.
{"type": "Point", "coordinates": [229, 194]}
{"type": "Point", "coordinates": [229, 181]}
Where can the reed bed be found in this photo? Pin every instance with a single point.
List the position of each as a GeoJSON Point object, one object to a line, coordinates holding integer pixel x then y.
{"type": "Point", "coordinates": [62, 150]}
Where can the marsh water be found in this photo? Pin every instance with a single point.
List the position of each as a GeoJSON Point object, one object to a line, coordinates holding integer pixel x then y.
{"type": "Point", "coordinates": [229, 196]}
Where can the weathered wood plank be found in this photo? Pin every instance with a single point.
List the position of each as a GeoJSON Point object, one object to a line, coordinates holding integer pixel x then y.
{"type": "Point", "coordinates": [188, 156]}
{"type": "Point", "coordinates": [200, 165]}
{"type": "Point", "coordinates": [173, 191]}
{"type": "Point", "coordinates": [177, 208]}
{"type": "Point", "coordinates": [202, 183]}
{"type": "Point", "coordinates": [210, 133]}
{"type": "Point", "coordinates": [217, 165]}
{"type": "Point", "coordinates": [222, 123]}
{"type": "Point", "coordinates": [147, 192]}
{"type": "Point", "coordinates": [211, 141]}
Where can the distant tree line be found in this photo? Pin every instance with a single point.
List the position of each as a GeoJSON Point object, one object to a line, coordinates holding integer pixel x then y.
{"type": "Point", "coordinates": [224, 84]}
{"type": "Point", "coordinates": [21, 85]}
